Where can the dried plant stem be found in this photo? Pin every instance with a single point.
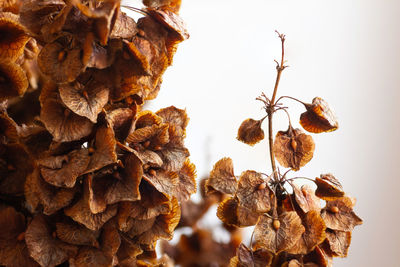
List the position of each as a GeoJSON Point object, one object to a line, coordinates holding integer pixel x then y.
{"type": "Point", "coordinates": [279, 68]}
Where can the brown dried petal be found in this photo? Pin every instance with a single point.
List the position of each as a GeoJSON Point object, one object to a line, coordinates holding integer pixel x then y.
{"type": "Point", "coordinates": [121, 120]}
{"type": "Point", "coordinates": [128, 249]}
{"type": "Point", "coordinates": [187, 182]}
{"type": "Point", "coordinates": [172, 5]}
{"type": "Point", "coordinates": [163, 226]}
{"type": "Point", "coordinates": [13, 80]}
{"type": "Point", "coordinates": [339, 242]}
{"type": "Point", "coordinates": [293, 148]}
{"type": "Point", "coordinates": [124, 27]}
{"type": "Point", "coordinates": [72, 166]}
{"type": "Point", "coordinates": [319, 257]}
{"type": "Point", "coordinates": [76, 234]}
{"type": "Point", "coordinates": [339, 215]}
{"type": "Point", "coordinates": [63, 124]}
{"type": "Point", "coordinates": [147, 118]}
{"type": "Point", "coordinates": [231, 213]}
{"type": "Point", "coordinates": [8, 128]}
{"type": "Point", "coordinates": [89, 256]}
{"type": "Point", "coordinates": [319, 117]}
{"type": "Point", "coordinates": [149, 157]}
{"type": "Point", "coordinates": [306, 199]}
{"type": "Point", "coordinates": [37, 191]}
{"type": "Point", "coordinates": [142, 51]}
{"type": "Point", "coordinates": [251, 195]}
{"type": "Point", "coordinates": [171, 21]}
{"type": "Point", "coordinates": [250, 132]}
{"type": "Point", "coordinates": [46, 250]}
{"type": "Point", "coordinates": [126, 189]}
{"type": "Point", "coordinates": [313, 236]}
{"type": "Point", "coordinates": [245, 257]}
{"type": "Point", "coordinates": [328, 187]}
{"type": "Point", "coordinates": [275, 241]}
{"type": "Point", "coordinates": [157, 135]}
{"type": "Point", "coordinates": [222, 178]}
{"type": "Point", "coordinates": [13, 36]}
{"type": "Point", "coordinates": [164, 181]}
{"type": "Point", "coordinates": [60, 63]}
{"type": "Point", "coordinates": [105, 146]}
{"type": "Point", "coordinates": [177, 120]}
{"type": "Point", "coordinates": [174, 157]}
{"type": "Point", "coordinates": [87, 101]}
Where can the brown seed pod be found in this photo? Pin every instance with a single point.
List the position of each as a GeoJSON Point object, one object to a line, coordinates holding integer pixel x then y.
{"type": "Point", "coordinates": [250, 132]}
{"type": "Point", "coordinates": [319, 117]}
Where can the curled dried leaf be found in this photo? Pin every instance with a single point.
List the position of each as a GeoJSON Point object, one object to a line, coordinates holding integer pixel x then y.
{"type": "Point", "coordinates": [319, 117]}
{"type": "Point", "coordinates": [222, 178]}
{"type": "Point", "coordinates": [339, 215]}
{"type": "Point", "coordinates": [13, 81]}
{"type": "Point", "coordinates": [275, 241]}
{"type": "Point", "coordinates": [313, 236]}
{"type": "Point", "coordinates": [60, 62]}
{"type": "Point", "coordinates": [86, 101]}
{"type": "Point", "coordinates": [250, 132]}
{"type": "Point", "coordinates": [306, 199]}
{"type": "Point", "coordinates": [13, 36]}
{"type": "Point", "coordinates": [339, 242]}
{"type": "Point", "coordinates": [62, 171]}
{"type": "Point", "coordinates": [62, 123]}
{"type": "Point", "coordinates": [293, 148]}
{"type": "Point", "coordinates": [251, 195]}
{"type": "Point", "coordinates": [45, 249]}
{"type": "Point", "coordinates": [328, 187]}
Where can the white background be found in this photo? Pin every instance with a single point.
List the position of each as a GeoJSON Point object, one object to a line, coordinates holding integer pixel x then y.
{"type": "Point", "coordinates": [345, 51]}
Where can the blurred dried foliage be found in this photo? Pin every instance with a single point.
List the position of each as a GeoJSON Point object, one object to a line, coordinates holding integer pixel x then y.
{"type": "Point", "coordinates": [88, 178]}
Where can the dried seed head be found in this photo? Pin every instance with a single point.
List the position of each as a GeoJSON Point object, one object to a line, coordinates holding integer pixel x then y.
{"type": "Point", "coordinates": [276, 224]}
{"type": "Point", "coordinates": [334, 209]}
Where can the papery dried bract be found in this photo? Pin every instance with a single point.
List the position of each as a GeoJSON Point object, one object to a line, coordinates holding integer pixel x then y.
{"type": "Point", "coordinates": [13, 81]}
{"type": "Point", "coordinates": [339, 242]}
{"type": "Point", "coordinates": [76, 234]}
{"type": "Point", "coordinates": [250, 132]}
{"type": "Point", "coordinates": [222, 178]}
{"type": "Point", "coordinates": [339, 215]}
{"type": "Point", "coordinates": [230, 212]}
{"type": "Point", "coordinates": [275, 241]}
{"type": "Point", "coordinates": [246, 257]}
{"type": "Point", "coordinates": [319, 117]}
{"type": "Point", "coordinates": [251, 195]}
{"type": "Point", "coordinates": [306, 198]}
{"type": "Point", "coordinates": [46, 250]}
{"type": "Point", "coordinates": [328, 187]}
{"type": "Point", "coordinates": [293, 148]}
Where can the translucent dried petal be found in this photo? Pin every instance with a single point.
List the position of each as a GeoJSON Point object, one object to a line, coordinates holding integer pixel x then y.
{"type": "Point", "coordinates": [163, 227]}
{"type": "Point", "coordinates": [339, 242]}
{"type": "Point", "coordinates": [89, 256]}
{"type": "Point", "coordinates": [147, 118]}
{"type": "Point", "coordinates": [328, 187]}
{"type": "Point", "coordinates": [187, 182]}
{"type": "Point", "coordinates": [164, 181]}
{"type": "Point", "coordinates": [37, 191]}
{"type": "Point", "coordinates": [13, 36]}
{"type": "Point", "coordinates": [171, 21]}
{"type": "Point", "coordinates": [8, 128]}
{"type": "Point", "coordinates": [222, 178]}
{"type": "Point", "coordinates": [177, 120]}
{"type": "Point", "coordinates": [125, 27]}
{"type": "Point", "coordinates": [275, 241]}
{"type": "Point", "coordinates": [13, 80]}
{"type": "Point", "coordinates": [230, 212]}
{"type": "Point", "coordinates": [128, 249]}
{"type": "Point", "coordinates": [173, 157]}
{"type": "Point", "coordinates": [319, 117]}
{"type": "Point", "coordinates": [121, 120]}
{"type": "Point", "coordinates": [63, 124]}
{"type": "Point", "coordinates": [245, 257]}
{"type": "Point", "coordinates": [46, 250]}
{"type": "Point", "coordinates": [72, 166]}
{"type": "Point", "coordinates": [87, 101]}
{"type": "Point", "coordinates": [293, 148]}
{"type": "Point", "coordinates": [105, 145]}
{"type": "Point", "coordinates": [157, 135]}
{"type": "Point", "coordinates": [251, 195]}
{"type": "Point", "coordinates": [62, 64]}
{"type": "Point", "coordinates": [306, 199]}
{"type": "Point", "coordinates": [76, 234]}
{"type": "Point", "coordinates": [172, 5]}
{"type": "Point", "coordinates": [339, 215]}
{"type": "Point", "coordinates": [313, 236]}
{"type": "Point", "coordinates": [250, 132]}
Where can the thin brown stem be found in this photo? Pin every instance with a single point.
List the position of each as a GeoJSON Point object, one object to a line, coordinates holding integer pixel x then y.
{"type": "Point", "coordinates": [280, 67]}
{"type": "Point", "coordinates": [285, 96]}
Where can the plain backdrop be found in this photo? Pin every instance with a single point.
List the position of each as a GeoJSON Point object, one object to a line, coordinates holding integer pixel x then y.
{"type": "Point", "coordinates": [347, 52]}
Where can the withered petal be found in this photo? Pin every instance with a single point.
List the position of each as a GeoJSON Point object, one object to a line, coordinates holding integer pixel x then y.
{"type": "Point", "coordinates": [339, 242]}
{"type": "Point", "coordinates": [306, 198]}
{"type": "Point", "coordinates": [328, 187]}
{"type": "Point", "coordinates": [231, 213]}
{"type": "Point", "coordinates": [46, 250]}
{"type": "Point", "coordinates": [275, 241]}
{"type": "Point", "coordinates": [222, 178]}
{"type": "Point", "coordinates": [339, 215]}
{"type": "Point", "coordinates": [250, 132]}
{"type": "Point", "coordinates": [13, 81]}
{"type": "Point", "coordinates": [319, 117]}
{"type": "Point", "coordinates": [187, 182]}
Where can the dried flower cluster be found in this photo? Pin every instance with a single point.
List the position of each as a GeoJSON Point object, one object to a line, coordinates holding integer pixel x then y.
{"type": "Point", "coordinates": [292, 225]}
{"type": "Point", "coordinates": [88, 178]}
